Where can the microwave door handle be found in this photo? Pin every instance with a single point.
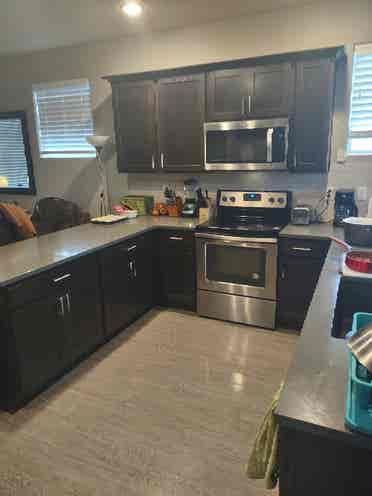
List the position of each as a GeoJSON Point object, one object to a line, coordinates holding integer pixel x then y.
{"type": "Point", "coordinates": [269, 145]}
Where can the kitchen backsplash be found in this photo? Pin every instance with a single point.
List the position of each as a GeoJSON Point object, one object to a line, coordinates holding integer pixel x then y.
{"type": "Point", "coordinates": [307, 188]}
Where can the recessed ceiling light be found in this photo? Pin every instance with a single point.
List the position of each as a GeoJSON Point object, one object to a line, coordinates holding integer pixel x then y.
{"type": "Point", "coordinates": [132, 8]}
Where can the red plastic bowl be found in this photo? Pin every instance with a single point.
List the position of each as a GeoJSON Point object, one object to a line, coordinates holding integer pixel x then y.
{"type": "Point", "coordinates": [359, 261]}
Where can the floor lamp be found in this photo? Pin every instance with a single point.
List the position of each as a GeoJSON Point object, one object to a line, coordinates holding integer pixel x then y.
{"type": "Point", "coordinates": [99, 143]}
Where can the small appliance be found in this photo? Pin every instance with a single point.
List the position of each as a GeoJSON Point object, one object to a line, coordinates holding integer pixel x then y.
{"type": "Point", "coordinates": [345, 206]}
{"type": "Point", "coordinates": [358, 231]}
{"type": "Point", "coordinates": [190, 207]}
{"type": "Point", "coordinates": [237, 256]}
{"type": "Point", "coordinates": [260, 144]}
{"type": "Point", "coordinates": [302, 215]}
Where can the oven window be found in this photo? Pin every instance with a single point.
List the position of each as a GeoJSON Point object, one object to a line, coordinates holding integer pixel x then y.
{"type": "Point", "coordinates": [239, 146]}
{"type": "Point", "coordinates": [235, 265]}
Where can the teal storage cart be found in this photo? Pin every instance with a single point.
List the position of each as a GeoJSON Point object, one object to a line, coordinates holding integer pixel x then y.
{"type": "Point", "coordinates": [359, 392]}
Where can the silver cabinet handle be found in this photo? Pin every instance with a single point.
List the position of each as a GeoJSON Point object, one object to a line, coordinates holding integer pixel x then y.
{"type": "Point", "coordinates": [62, 306]}
{"type": "Point", "coordinates": [250, 103]}
{"type": "Point", "coordinates": [134, 269]}
{"type": "Point", "coordinates": [131, 248]}
{"type": "Point", "coordinates": [162, 160]}
{"type": "Point", "coordinates": [300, 248]}
{"type": "Point", "coordinates": [153, 162]}
{"type": "Point", "coordinates": [131, 268]}
{"type": "Point", "coordinates": [175, 238]}
{"type": "Point", "coordinates": [243, 105]}
{"type": "Point", "coordinates": [68, 303]}
{"type": "Point", "coordinates": [62, 278]}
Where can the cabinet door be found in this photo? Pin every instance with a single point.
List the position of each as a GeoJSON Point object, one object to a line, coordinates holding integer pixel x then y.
{"type": "Point", "coordinates": [134, 112]}
{"type": "Point", "coordinates": [83, 326]}
{"type": "Point", "coordinates": [177, 270]}
{"type": "Point", "coordinates": [117, 285]}
{"type": "Point", "coordinates": [141, 264]}
{"type": "Point", "coordinates": [181, 102]}
{"type": "Point", "coordinates": [272, 91]}
{"type": "Point", "coordinates": [312, 127]}
{"type": "Point", "coordinates": [39, 342]}
{"type": "Point", "coordinates": [227, 94]}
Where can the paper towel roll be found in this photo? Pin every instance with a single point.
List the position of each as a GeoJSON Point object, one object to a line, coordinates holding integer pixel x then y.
{"type": "Point", "coordinates": [369, 214]}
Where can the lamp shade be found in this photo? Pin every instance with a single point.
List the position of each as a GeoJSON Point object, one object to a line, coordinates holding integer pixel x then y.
{"type": "Point", "coordinates": [4, 183]}
{"type": "Point", "coordinates": [98, 141]}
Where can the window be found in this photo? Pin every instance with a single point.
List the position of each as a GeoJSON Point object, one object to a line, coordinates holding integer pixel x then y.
{"type": "Point", "coordinates": [360, 126]}
{"type": "Point", "coordinates": [16, 173]}
{"type": "Point", "coordinates": [64, 119]}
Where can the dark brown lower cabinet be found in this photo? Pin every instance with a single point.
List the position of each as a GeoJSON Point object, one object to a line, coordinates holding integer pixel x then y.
{"type": "Point", "coordinates": [50, 322]}
{"type": "Point", "coordinates": [300, 265]}
{"type": "Point", "coordinates": [316, 465]}
{"type": "Point", "coordinates": [127, 282]}
{"type": "Point", "coordinates": [176, 269]}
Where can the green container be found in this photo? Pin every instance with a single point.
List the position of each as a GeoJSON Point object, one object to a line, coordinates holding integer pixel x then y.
{"type": "Point", "coordinates": [143, 204]}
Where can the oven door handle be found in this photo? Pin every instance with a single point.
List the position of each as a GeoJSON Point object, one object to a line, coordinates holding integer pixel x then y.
{"type": "Point", "coordinates": [235, 239]}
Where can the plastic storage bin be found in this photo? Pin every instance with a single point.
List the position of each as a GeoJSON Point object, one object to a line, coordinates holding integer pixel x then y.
{"type": "Point", "coordinates": [359, 392]}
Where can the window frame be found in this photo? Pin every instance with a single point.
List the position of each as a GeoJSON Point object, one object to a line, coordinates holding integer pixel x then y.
{"type": "Point", "coordinates": [31, 190]}
{"type": "Point", "coordinates": [57, 155]}
{"type": "Point", "coordinates": [355, 134]}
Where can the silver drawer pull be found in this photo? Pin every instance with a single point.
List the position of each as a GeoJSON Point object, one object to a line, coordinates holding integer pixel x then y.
{"type": "Point", "coordinates": [176, 238]}
{"type": "Point", "coordinates": [62, 278]}
{"type": "Point", "coordinates": [132, 248]}
{"type": "Point", "coordinates": [68, 303]}
{"type": "Point", "coordinates": [62, 306]}
{"type": "Point", "coordinates": [298, 248]}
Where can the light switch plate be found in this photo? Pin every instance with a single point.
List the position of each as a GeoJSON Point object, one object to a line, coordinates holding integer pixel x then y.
{"type": "Point", "coordinates": [362, 193]}
{"type": "Point", "coordinates": [341, 156]}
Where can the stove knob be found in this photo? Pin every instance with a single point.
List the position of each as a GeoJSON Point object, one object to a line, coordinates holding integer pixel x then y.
{"type": "Point", "coordinates": [232, 199]}
{"type": "Point", "coordinates": [281, 200]}
{"type": "Point", "coordinates": [224, 199]}
{"type": "Point", "coordinates": [271, 200]}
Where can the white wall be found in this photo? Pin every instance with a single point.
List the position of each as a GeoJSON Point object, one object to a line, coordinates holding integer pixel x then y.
{"type": "Point", "coordinates": [321, 24]}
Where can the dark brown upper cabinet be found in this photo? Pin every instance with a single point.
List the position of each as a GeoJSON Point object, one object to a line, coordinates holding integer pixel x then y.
{"type": "Point", "coordinates": [312, 123]}
{"type": "Point", "coordinates": [181, 114]}
{"type": "Point", "coordinates": [227, 93]}
{"type": "Point", "coordinates": [272, 91]}
{"type": "Point", "coordinates": [135, 123]}
{"type": "Point", "coordinates": [262, 91]}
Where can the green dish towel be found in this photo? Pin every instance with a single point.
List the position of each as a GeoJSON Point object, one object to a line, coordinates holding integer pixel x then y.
{"type": "Point", "coordinates": [263, 461]}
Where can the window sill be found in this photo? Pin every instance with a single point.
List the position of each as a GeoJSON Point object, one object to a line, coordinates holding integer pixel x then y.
{"type": "Point", "coordinates": [69, 155]}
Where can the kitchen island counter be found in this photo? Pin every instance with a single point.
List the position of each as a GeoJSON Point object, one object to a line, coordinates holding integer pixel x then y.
{"type": "Point", "coordinates": [30, 257]}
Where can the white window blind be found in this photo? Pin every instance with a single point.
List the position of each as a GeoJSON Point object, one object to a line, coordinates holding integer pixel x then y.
{"type": "Point", "coordinates": [15, 163]}
{"type": "Point", "coordinates": [360, 125]}
{"type": "Point", "coordinates": [64, 118]}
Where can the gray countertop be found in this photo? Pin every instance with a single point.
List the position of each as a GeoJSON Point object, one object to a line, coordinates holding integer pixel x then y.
{"type": "Point", "coordinates": [314, 396]}
{"type": "Point", "coordinates": [314, 231]}
{"type": "Point", "coordinates": [24, 258]}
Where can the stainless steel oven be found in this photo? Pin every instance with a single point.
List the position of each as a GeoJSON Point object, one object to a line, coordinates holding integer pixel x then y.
{"type": "Point", "coordinates": [237, 278]}
{"type": "Point", "coordinates": [246, 145]}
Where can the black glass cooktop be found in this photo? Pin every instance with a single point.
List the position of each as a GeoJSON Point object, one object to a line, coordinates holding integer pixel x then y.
{"type": "Point", "coordinates": [253, 230]}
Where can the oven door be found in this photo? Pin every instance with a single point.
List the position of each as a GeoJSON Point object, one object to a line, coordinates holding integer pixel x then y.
{"type": "Point", "coordinates": [246, 145]}
{"type": "Point", "coordinates": [238, 266]}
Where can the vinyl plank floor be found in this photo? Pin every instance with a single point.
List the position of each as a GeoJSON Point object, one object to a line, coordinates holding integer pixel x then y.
{"type": "Point", "coordinates": [168, 408]}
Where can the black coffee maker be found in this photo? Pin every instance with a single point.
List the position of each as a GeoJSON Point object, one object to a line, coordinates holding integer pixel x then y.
{"type": "Point", "coordinates": [345, 206]}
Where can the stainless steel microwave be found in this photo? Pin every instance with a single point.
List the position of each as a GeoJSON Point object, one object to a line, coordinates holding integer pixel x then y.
{"type": "Point", "coordinates": [246, 145]}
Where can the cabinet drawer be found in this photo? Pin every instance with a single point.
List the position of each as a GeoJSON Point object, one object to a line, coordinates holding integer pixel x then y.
{"type": "Point", "coordinates": [79, 273]}
{"type": "Point", "coordinates": [128, 247]}
{"type": "Point", "coordinates": [177, 239]}
{"type": "Point", "coordinates": [298, 247]}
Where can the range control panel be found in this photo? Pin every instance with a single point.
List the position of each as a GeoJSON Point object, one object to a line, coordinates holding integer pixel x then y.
{"type": "Point", "coordinates": [253, 199]}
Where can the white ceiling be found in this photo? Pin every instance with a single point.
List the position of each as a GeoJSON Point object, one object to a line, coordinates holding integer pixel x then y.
{"type": "Point", "coordinates": [27, 25]}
